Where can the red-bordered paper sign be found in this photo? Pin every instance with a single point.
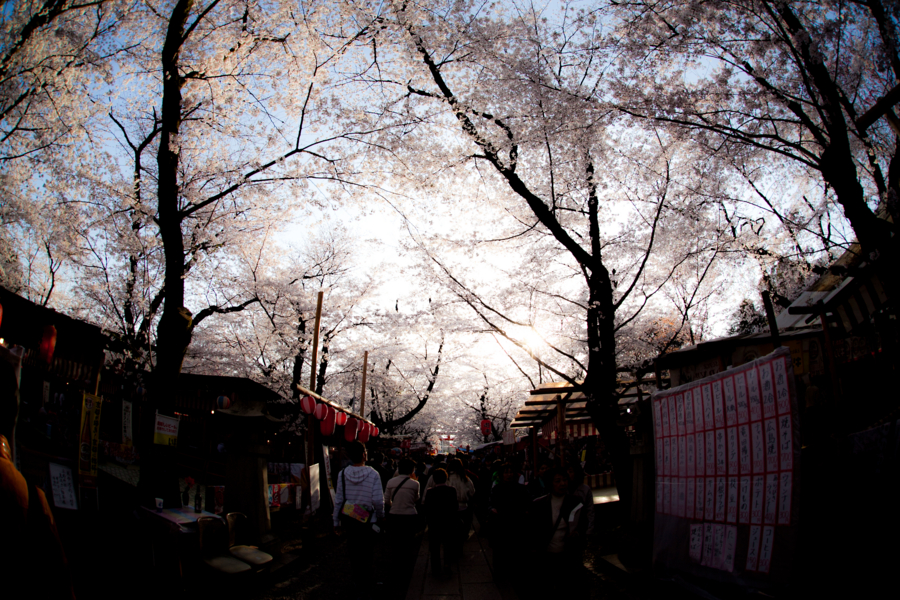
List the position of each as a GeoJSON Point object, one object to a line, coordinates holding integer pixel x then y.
{"type": "Point", "coordinates": [727, 464]}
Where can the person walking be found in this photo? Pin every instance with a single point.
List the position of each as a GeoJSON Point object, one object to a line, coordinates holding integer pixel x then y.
{"type": "Point", "coordinates": [507, 509]}
{"type": "Point", "coordinates": [358, 506]}
{"type": "Point", "coordinates": [441, 511]}
{"type": "Point", "coordinates": [465, 492]}
{"type": "Point", "coordinates": [553, 534]}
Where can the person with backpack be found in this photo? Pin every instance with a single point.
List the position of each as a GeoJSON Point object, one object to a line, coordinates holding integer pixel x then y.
{"type": "Point", "coordinates": [358, 507]}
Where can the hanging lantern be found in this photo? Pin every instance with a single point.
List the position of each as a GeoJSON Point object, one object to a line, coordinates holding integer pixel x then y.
{"type": "Point", "coordinates": [374, 432]}
{"type": "Point", "coordinates": [364, 432]}
{"type": "Point", "coordinates": [327, 424]}
{"type": "Point", "coordinates": [321, 411]}
{"type": "Point", "coordinates": [48, 344]}
{"type": "Point", "coordinates": [1, 314]}
{"type": "Point", "coordinates": [340, 419]}
{"type": "Point", "coordinates": [485, 427]}
{"type": "Point", "coordinates": [308, 404]}
{"type": "Point", "coordinates": [350, 429]}
{"type": "Point", "coordinates": [223, 402]}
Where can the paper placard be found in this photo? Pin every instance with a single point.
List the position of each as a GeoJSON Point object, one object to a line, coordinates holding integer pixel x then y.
{"type": "Point", "coordinates": [782, 394]}
{"type": "Point", "coordinates": [690, 458]}
{"type": "Point", "coordinates": [733, 448]}
{"type": "Point", "coordinates": [753, 394]}
{"type": "Point", "coordinates": [744, 507]}
{"type": "Point", "coordinates": [753, 548]}
{"type": "Point", "coordinates": [657, 421]}
{"type": "Point", "coordinates": [665, 416]}
{"type": "Point", "coordinates": [767, 390]}
{"type": "Point", "coordinates": [667, 496]}
{"type": "Point", "coordinates": [721, 498]}
{"type": "Point", "coordinates": [765, 551]}
{"type": "Point", "coordinates": [718, 404]}
{"type": "Point", "coordinates": [730, 548]}
{"type": "Point", "coordinates": [673, 427]}
{"type": "Point", "coordinates": [770, 517]}
{"type": "Point", "coordinates": [785, 443]}
{"type": "Point", "coordinates": [709, 421]}
{"type": "Point", "coordinates": [690, 486]}
{"type": "Point", "coordinates": [757, 497]}
{"type": "Point", "coordinates": [740, 394]}
{"type": "Point", "coordinates": [63, 486]}
{"type": "Point", "coordinates": [711, 452]}
{"type": "Point", "coordinates": [708, 549]}
{"type": "Point", "coordinates": [667, 455]}
{"type": "Point", "coordinates": [721, 453]}
{"type": "Point", "coordinates": [757, 447]}
{"type": "Point", "coordinates": [679, 414]}
{"type": "Point", "coordinates": [682, 458]}
{"type": "Point", "coordinates": [698, 410]}
{"type": "Point", "coordinates": [695, 550]}
{"type": "Point", "coordinates": [744, 443]}
{"type": "Point", "coordinates": [700, 453]}
{"type": "Point", "coordinates": [730, 404]}
{"type": "Point", "coordinates": [784, 498]}
{"type": "Point", "coordinates": [709, 505]}
{"type": "Point", "coordinates": [771, 433]}
{"type": "Point", "coordinates": [688, 413]}
{"type": "Point", "coordinates": [699, 497]}
{"type": "Point", "coordinates": [719, 545]}
{"type": "Point", "coordinates": [731, 515]}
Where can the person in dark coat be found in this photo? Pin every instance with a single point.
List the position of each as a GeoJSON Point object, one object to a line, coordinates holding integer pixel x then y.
{"type": "Point", "coordinates": [507, 507]}
{"type": "Point", "coordinates": [553, 531]}
{"type": "Point", "coordinates": [441, 508]}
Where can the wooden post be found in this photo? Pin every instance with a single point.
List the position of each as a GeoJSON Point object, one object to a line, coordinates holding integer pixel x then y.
{"type": "Point", "coordinates": [561, 429]}
{"type": "Point", "coordinates": [310, 419]}
{"type": "Point", "coordinates": [362, 395]}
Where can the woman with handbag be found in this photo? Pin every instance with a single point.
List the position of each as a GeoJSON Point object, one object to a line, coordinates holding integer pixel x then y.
{"type": "Point", "coordinates": [358, 505]}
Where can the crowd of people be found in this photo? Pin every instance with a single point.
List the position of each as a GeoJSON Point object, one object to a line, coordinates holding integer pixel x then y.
{"type": "Point", "coordinates": [534, 518]}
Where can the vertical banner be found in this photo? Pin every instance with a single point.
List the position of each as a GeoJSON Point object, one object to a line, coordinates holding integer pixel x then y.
{"type": "Point", "coordinates": [326, 460]}
{"type": "Point", "coordinates": [89, 440]}
{"type": "Point", "coordinates": [728, 455]}
{"type": "Point", "coordinates": [127, 431]}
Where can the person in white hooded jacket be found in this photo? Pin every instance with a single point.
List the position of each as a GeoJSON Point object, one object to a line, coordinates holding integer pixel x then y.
{"type": "Point", "coordinates": [360, 485]}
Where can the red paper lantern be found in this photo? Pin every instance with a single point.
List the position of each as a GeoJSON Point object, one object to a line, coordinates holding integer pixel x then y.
{"type": "Point", "coordinates": [321, 411]}
{"type": "Point", "coordinates": [1, 314]}
{"type": "Point", "coordinates": [350, 429]}
{"type": "Point", "coordinates": [327, 424]}
{"type": "Point", "coordinates": [485, 427]}
{"type": "Point", "coordinates": [375, 432]}
{"type": "Point", "coordinates": [340, 418]}
{"type": "Point", "coordinates": [363, 434]}
{"type": "Point", "coordinates": [223, 402]}
{"type": "Point", "coordinates": [48, 344]}
{"type": "Point", "coordinates": [308, 404]}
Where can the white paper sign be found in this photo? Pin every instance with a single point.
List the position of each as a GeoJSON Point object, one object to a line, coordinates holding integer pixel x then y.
{"type": "Point", "coordinates": [744, 442]}
{"type": "Point", "coordinates": [771, 432]}
{"type": "Point", "coordinates": [753, 548]}
{"type": "Point", "coordinates": [718, 404]}
{"type": "Point", "coordinates": [785, 443]}
{"type": "Point", "coordinates": [695, 550]}
{"type": "Point", "coordinates": [721, 498]}
{"type": "Point", "coordinates": [730, 404]}
{"type": "Point", "coordinates": [758, 496]}
{"type": "Point", "coordinates": [765, 551]}
{"type": "Point", "coordinates": [784, 498]}
{"type": "Point", "coordinates": [757, 447]}
{"type": "Point", "coordinates": [730, 548]}
{"type": "Point", "coordinates": [753, 394]}
{"type": "Point", "coordinates": [63, 487]}
{"type": "Point", "coordinates": [731, 515]}
{"type": "Point", "coordinates": [770, 517]}
{"type": "Point", "coordinates": [782, 395]}
{"type": "Point", "coordinates": [709, 512]}
{"type": "Point", "coordinates": [740, 392]}
{"type": "Point", "coordinates": [688, 413]}
{"type": "Point", "coordinates": [744, 507]}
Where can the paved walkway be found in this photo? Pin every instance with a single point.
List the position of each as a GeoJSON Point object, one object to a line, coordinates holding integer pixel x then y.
{"type": "Point", "coordinates": [472, 578]}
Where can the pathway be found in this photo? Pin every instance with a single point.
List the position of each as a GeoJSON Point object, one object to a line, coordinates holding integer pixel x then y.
{"type": "Point", "coordinates": [472, 577]}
